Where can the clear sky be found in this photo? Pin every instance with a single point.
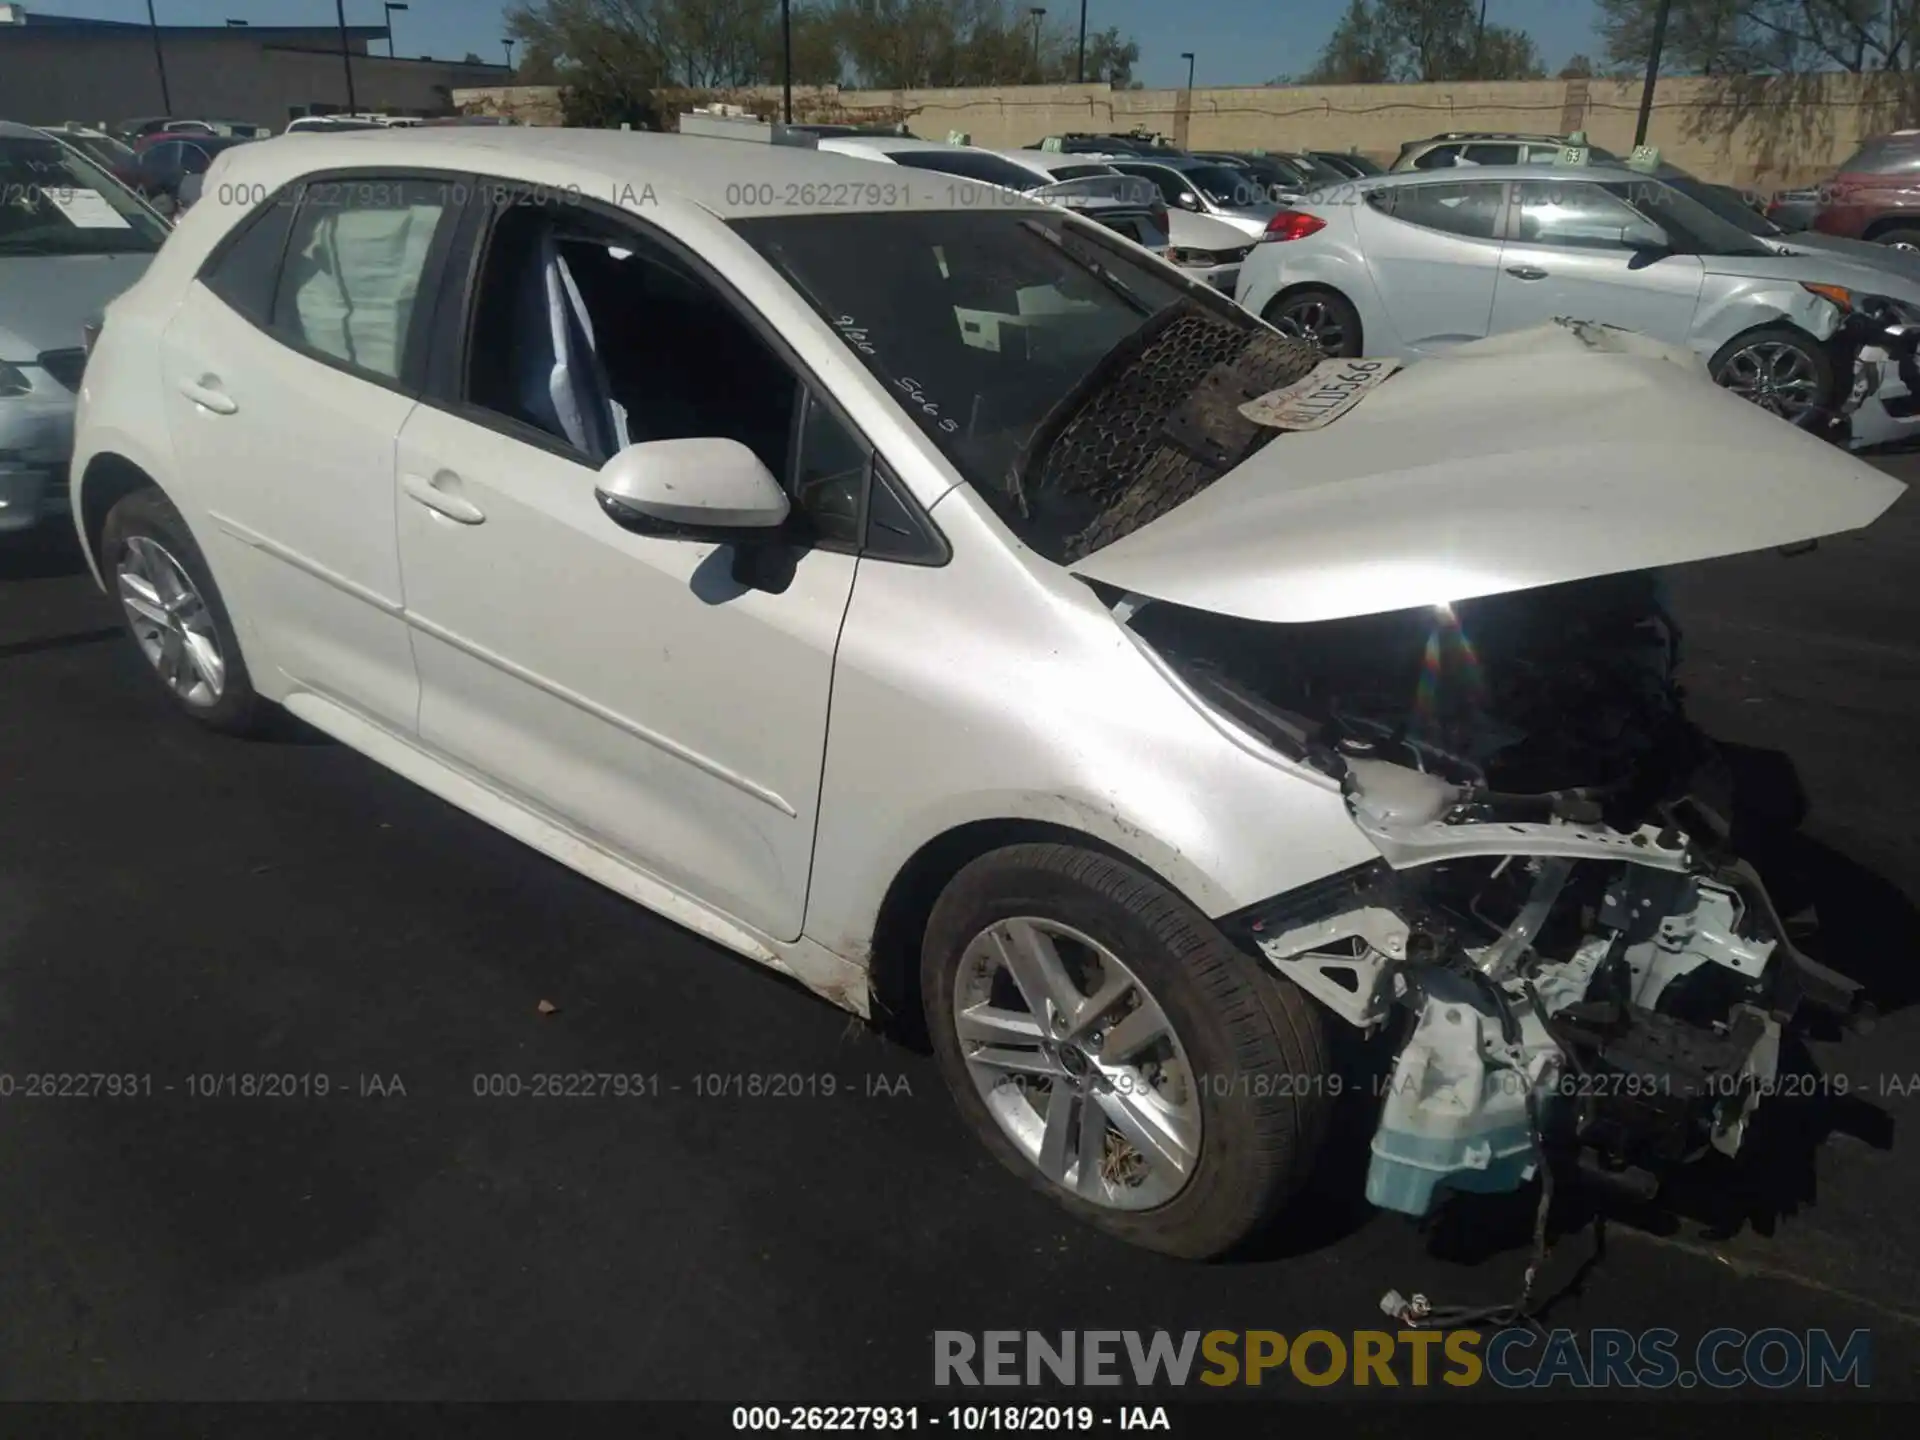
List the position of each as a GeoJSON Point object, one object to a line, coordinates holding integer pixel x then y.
{"type": "Point", "coordinates": [1235, 42]}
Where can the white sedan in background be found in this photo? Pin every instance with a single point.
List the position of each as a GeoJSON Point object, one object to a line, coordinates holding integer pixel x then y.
{"type": "Point", "coordinates": [1410, 265]}
{"type": "Point", "coordinates": [1209, 249]}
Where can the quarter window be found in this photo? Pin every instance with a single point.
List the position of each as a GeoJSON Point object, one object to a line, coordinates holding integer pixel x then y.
{"type": "Point", "coordinates": [354, 264]}
{"type": "Point", "coordinates": [243, 270]}
{"type": "Point", "coordinates": [1471, 210]}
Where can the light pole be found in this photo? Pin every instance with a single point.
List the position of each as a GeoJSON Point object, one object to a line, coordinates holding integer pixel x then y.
{"type": "Point", "coordinates": [159, 61]}
{"type": "Point", "coordinates": [509, 45]}
{"type": "Point", "coordinates": [786, 60]}
{"type": "Point", "coordinates": [1080, 66]}
{"type": "Point", "coordinates": [1480, 40]}
{"type": "Point", "coordinates": [1187, 55]}
{"type": "Point", "coordinates": [346, 57]}
{"type": "Point", "coordinates": [1039, 13]}
{"type": "Point", "coordinates": [1653, 72]}
{"type": "Point", "coordinates": [396, 5]}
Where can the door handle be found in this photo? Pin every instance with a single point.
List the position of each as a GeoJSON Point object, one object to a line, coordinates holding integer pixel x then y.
{"type": "Point", "coordinates": [1526, 272]}
{"type": "Point", "coordinates": [206, 392]}
{"type": "Point", "coordinates": [433, 494]}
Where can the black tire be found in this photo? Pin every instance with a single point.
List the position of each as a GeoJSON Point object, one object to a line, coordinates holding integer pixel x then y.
{"type": "Point", "coordinates": [1904, 237]}
{"type": "Point", "coordinates": [1817, 357]}
{"type": "Point", "coordinates": [148, 514]}
{"type": "Point", "coordinates": [1338, 307]}
{"type": "Point", "coordinates": [1253, 1039]}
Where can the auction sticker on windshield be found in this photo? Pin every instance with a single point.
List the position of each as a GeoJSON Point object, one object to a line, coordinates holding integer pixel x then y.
{"type": "Point", "coordinates": [1334, 388]}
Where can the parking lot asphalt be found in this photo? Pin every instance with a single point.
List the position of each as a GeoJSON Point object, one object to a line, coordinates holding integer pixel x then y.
{"type": "Point", "coordinates": [176, 905]}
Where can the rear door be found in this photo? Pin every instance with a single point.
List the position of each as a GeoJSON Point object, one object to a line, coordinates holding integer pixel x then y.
{"type": "Point", "coordinates": [1433, 249]}
{"type": "Point", "coordinates": [290, 366]}
{"type": "Point", "coordinates": [1567, 258]}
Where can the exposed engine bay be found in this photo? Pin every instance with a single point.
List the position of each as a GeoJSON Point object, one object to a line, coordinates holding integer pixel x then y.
{"type": "Point", "coordinates": [1589, 978]}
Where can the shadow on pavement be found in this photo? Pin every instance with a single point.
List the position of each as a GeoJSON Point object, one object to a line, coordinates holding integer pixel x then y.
{"type": "Point", "coordinates": [49, 552]}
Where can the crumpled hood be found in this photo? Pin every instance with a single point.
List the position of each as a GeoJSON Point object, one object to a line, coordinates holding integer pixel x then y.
{"type": "Point", "coordinates": [1866, 273]}
{"type": "Point", "coordinates": [1530, 459]}
{"type": "Point", "coordinates": [47, 298]}
{"type": "Point", "coordinates": [1902, 265]}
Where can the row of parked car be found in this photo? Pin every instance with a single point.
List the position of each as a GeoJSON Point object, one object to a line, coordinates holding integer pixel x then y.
{"type": "Point", "coordinates": [1468, 235]}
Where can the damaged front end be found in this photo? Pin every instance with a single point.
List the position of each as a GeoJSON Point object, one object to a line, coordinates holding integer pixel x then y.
{"type": "Point", "coordinates": [1588, 976]}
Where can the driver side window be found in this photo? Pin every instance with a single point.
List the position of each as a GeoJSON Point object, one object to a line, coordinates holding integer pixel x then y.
{"type": "Point", "coordinates": [597, 338]}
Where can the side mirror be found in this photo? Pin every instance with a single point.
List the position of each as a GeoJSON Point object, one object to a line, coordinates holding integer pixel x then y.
{"type": "Point", "coordinates": [164, 203]}
{"type": "Point", "coordinates": [1187, 200]}
{"type": "Point", "coordinates": [1644, 235]}
{"type": "Point", "coordinates": [190, 188]}
{"type": "Point", "coordinates": [708, 490]}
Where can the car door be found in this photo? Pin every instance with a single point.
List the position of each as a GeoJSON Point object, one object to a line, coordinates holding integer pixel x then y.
{"type": "Point", "coordinates": [649, 695]}
{"type": "Point", "coordinates": [289, 367]}
{"type": "Point", "coordinates": [1567, 257]}
{"type": "Point", "coordinates": [1433, 249]}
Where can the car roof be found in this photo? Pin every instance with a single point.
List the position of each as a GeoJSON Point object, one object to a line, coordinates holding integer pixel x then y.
{"type": "Point", "coordinates": [731, 179]}
{"type": "Point", "coordinates": [1182, 161]}
{"type": "Point", "coordinates": [14, 130]}
{"type": "Point", "coordinates": [885, 144]}
{"type": "Point", "coordinates": [1458, 173]}
{"type": "Point", "coordinates": [1045, 162]}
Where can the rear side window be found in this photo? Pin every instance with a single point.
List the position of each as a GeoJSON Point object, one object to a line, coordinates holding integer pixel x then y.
{"type": "Point", "coordinates": [1491, 155]}
{"type": "Point", "coordinates": [1472, 210]}
{"type": "Point", "coordinates": [242, 271]}
{"type": "Point", "coordinates": [354, 265]}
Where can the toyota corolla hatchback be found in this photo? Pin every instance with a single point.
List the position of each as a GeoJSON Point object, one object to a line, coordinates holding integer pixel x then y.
{"type": "Point", "coordinates": [961, 611]}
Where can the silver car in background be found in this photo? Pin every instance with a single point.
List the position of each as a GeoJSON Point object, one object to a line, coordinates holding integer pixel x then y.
{"type": "Point", "coordinates": [1411, 264]}
{"type": "Point", "coordinates": [1205, 187]}
{"type": "Point", "coordinates": [71, 238]}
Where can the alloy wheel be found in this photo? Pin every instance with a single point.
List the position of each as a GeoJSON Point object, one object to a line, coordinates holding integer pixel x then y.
{"type": "Point", "coordinates": [1774, 375]}
{"type": "Point", "coordinates": [1078, 1064]}
{"type": "Point", "coordinates": [1313, 320]}
{"type": "Point", "coordinates": [171, 621]}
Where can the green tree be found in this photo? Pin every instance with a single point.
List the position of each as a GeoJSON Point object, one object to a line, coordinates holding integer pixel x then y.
{"type": "Point", "coordinates": [1724, 37]}
{"type": "Point", "coordinates": [1580, 67]}
{"type": "Point", "coordinates": [1381, 41]}
{"type": "Point", "coordinates": [1358, 52]}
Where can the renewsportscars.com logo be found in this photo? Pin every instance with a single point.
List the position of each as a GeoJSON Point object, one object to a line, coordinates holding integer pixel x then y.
{"type": "Point", "coordinates": [1514, 1358]}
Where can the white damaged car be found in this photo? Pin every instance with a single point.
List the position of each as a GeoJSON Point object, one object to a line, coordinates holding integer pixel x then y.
{"type": "Point", "coordinates": [905, 597]}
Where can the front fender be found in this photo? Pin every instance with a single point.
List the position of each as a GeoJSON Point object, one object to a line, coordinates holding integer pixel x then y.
{"type": "Point", "coordinates": [1752, 304]}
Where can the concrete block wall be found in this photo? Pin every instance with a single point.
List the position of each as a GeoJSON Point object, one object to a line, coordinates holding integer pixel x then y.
{"type": "Point", "coordinates": [1757, 144]}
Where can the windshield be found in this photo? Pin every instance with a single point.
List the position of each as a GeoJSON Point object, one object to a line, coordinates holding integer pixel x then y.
{"type": "Point", "coordinates": [982, 322]}
{"type": "Point", "coordinates": [55, 201]}
{"type": "Point", "coordinates": [1691, 226]}
{"type": "Point", "coordinates": [1724, 203]}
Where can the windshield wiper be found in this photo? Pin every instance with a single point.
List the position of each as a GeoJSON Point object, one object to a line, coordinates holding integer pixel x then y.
{"type": "Point", "coordinates": [1093, 267]}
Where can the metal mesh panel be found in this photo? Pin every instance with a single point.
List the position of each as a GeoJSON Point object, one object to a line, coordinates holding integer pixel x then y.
{"type": "Point", "coordinates": [1167, 424]}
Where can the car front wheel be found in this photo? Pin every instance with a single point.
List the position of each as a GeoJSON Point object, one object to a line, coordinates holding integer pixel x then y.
{"type": "Point", "coordinates": [174, 613]}
{"type": "Point", "coordinates": [1107, 1044]}
{"type": "Point", "coordinates": [1780, 369]}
